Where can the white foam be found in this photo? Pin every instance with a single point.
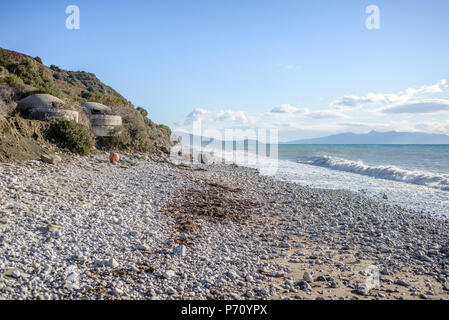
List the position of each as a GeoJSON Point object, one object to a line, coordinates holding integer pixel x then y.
{"type": "Point", "coordinates": [430, 179]}
{"type": "Point", "coordinates": [418, 191]}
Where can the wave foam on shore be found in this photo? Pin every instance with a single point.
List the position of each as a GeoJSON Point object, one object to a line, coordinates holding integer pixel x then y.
{"type": "Point", "coordinates": [414, 190]}
{"type": "Point", "coordinates": [429, 179]}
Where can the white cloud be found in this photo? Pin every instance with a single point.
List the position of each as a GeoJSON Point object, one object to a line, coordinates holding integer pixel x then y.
{"type": "Point", "coordinates": [227, 116]}
{"type": "Point", "coordinates": [287, 109]}
{"type": "Point", "coordinates": [289, 118]}
{"type": "Point", "coordinates": [197, 114]}
{"type": "Point", "coordinates": [417, 107]}
{"type": "Point", "coordinates": [352, 102]}
{"type": "Point", "coordinates": [441, 86]}
{"type": "Point", "coordinates": [231, 116]}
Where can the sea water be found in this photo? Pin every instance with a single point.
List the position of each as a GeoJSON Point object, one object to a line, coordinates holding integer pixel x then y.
{"type": "Point", "coordinates": [415, 177]}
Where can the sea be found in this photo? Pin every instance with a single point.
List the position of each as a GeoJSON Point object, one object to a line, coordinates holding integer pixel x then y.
{"type": "Point", "coordinates": [415, 177]}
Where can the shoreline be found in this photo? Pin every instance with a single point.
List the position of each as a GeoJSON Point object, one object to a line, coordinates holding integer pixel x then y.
{"type": "Point", "coordinates": [410, 195]}
{"type": "Point", "coordinates": [86, 229]}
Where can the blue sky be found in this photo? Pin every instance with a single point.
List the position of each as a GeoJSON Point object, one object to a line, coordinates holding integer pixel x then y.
{"type": "Point", "coordinates": [307, 68]}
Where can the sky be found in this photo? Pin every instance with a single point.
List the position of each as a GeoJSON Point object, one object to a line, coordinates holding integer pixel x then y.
{"type": "Point", "coordinates": [305, 68]}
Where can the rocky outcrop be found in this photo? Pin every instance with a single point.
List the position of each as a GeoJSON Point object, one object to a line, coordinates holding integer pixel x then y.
{"type": "Point", "coordinates": [51, 159]}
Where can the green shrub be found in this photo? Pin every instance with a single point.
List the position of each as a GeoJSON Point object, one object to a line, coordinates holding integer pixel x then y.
{"type": "Point", "coordinates": [4, 59]}
{"type": "Point", "coordinates": [72, 136]}
{"type": "Point", "coordinates": [25, 72]}
{"type": "Point", "coordinates": [38, 59]}
{"type": "Point", "coordinates": [106, 99]}
{"type": "Point", "coordinates": [136, 134]}
{"type": "Point", "coordinates": [55, 68]}
{"type": "Point", "coordinates": [119, 140]}
{"type": "Point", "coordinates": [3, 72]}
{"type": "Point", "coordinates": [13, 81]}
{"type": "Point", "coordinates": [48, 90]}
{"type": "Point", "coordinates": [142, 111]}
{"type": "Point", "coordinates": [28, 71]}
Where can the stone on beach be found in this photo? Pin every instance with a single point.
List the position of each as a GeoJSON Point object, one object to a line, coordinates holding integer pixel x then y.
{"type": "Point", "coordinates": [51, 159]}
{"type": "Point", "coordinates": [303, 285]}
{"type": "Point", "coordinates": [362, 290]}
{"type": "Point", "coordinates": [180, 250]}
{"type": "Point", "coordinates": [143, 247]}
{"type": "Point", "coordinates": [402, 283]}
{"type": "Point", "coordinates": [169, 274]}
{"type": "Point", "coordinates": [237, 235]}
{"type": "Point", "coordinates": [307, 277]}
{"type": "Point", "coordinates": [112, 263]}
{"type": "Point", "coordinates": [233, 274]}
{"type": "Point", "coordinates": [16, 274]}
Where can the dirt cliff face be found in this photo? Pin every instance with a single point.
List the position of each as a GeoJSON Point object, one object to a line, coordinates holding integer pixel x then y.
{"type": "Point", "coordinates": [22, 139]}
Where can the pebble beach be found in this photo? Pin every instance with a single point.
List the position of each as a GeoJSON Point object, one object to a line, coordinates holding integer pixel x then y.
{"type": "Point", "coordinates": [151, 229]}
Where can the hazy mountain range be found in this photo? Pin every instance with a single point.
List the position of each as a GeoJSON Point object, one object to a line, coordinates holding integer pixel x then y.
{"type": "Point", "coordinates": [372, 137]}
{"type": "Point", "coordinates": [188, 138]}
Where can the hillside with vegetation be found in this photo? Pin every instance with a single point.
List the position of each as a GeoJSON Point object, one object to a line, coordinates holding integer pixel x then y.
{"type": "Point", "coordinates": [22, 75]}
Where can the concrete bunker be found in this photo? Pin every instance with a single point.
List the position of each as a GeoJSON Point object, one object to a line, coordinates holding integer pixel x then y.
{"type": "Point", "coordinates": [102, 122]}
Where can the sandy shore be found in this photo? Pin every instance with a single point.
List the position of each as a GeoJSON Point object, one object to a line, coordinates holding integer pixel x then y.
{"type": "Point", "coordinates": [86, 229]}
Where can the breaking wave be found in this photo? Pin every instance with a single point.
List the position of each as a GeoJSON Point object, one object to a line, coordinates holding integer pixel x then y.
{"type": "Point", "coordinates": [429, 179]}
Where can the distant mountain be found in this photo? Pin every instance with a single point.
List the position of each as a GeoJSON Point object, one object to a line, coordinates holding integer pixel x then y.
{"type": "Point", "coordinates": [189, 139]}
{"type": "Point", "coordinates": [374, 137]}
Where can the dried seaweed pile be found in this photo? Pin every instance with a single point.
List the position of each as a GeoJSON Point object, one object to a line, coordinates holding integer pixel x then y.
{"type": "Point", "coordinates": [126, 274]}
{"type": "Point", "coordinates": [214, 202]}
{"type": "Point", "coordinates": [183, 166]}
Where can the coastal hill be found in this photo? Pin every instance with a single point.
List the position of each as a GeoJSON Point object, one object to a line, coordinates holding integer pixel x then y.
{"type": "Point", "coordinates": [22, 75]}
{"type": "Point", "coordinates": [374, 137]}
